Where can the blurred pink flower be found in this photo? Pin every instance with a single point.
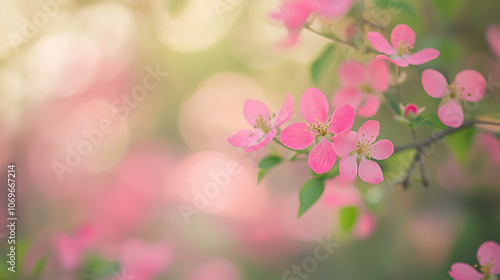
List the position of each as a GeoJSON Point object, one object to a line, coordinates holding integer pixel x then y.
{"type": "Point", "coordinates": [332, 8]}
{"type": "Point", "coordinates": [70, 249]}
{"type": "Point", "coordinates": [314, 109]}
{"type": "Point", "coordinates": [491, 144]}
{"type": "Point", "coordinates": [365, 225]}
{"type": "Point", "coordinates": [143, 261]}
{"type": "Point", "coordinates": [339, 193]}
{"type": "Point", "coordinates": [409, 112]}
{"type": "Point", "coordinates": [360, 86]}
{"type": "Point", "coordinates": [402, 40]}
{"type": "Point", "coordinates": [468, 86]}
{"type": "Point", "coordinates": [294, 14]}
{"type": "Point", "coordinates": [360, 147]}
{"type": "Point", "coordinates": [263, 124]}
{"type": "Point", "coordinates": [217, 269]}
{"type": "Point", "coordinates": [488, 256]}
{"type": "Point", "coordinates": [493, 36]}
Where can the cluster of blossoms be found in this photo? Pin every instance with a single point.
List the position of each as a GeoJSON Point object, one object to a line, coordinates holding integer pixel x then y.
{"type": "Point", "coordinates": [330, 135]}
{"type": "Point", "coordinates": [488, 256]}
{"type": "Point", "coordinates": [296, 13]}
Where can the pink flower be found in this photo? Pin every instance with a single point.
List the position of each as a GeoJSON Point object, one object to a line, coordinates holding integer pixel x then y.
{"type": "Point", "coordinates": [361, 86]}
{"type": "Point", "coordinates": [488, 256]}
{"type": "Point", "coordinates": [361, 147]}
{"type": "Point", "coordinates": [402, 40]}
{"type": "Point", "coordinates": [314, 109]}
{"type": "Point", "coordinates": [493, 36]}
{"type": "Point", "coordinates": [263, 124]}
{"type": "Point", "coordinates": [409, 113]}
{"type": "Point", "coordinates": [294, 14]}
{"type": "Point", "coordinates": [333, 8]}
{"type": "Point", "coordinates": [70, 249]}
{"type": "Point", "coordinates": [469, 86]}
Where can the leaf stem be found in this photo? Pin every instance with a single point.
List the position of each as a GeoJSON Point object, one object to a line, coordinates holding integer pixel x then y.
{"type": "Point", "coordinates": [332, 37]}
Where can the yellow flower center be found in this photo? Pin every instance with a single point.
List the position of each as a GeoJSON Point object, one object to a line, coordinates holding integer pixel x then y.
{"type": "Point", "coordinates": [404, 48]}
{"type": "Point", "coordinates": [320, 128]}
{"type": "Point", "coordinates": [264, 123]}
{"type": "Point", "coordinates": [486, 269]}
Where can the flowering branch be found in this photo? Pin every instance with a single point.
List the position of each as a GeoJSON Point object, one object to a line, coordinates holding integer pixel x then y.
{"type": "Point", "coordinates": [438, 136]}
{"type": "Point", "coordinates": [332, 37]}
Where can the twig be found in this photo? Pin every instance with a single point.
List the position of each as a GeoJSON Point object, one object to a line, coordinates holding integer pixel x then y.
{"type": "Point", "coordinates": [438, 136]}
{"type": "Point", "coordinates": [425, 182]}
{"type": "Point", "coordinates": [336, 39]}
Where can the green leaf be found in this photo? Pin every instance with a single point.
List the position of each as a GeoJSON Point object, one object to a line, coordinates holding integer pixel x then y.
{"type": "Point", "coordinates": [96, 267]}
{"type": "Point", "coordinates": [392, 99]}
{"type": "Point", "coordinates": [38, 267]}
{"type": "Point", "coordinates": [392, 6]}
{"type": "Point", "coordinates": [348, 216]}
{"type": "Point", "coordinates": [321, 64]}
{"type": "Point", "coordinates": [310, 192]}
{"type": "Point", "coordinates": [497, 136]}
{"type": "Point", "coordinates": [269, 162]}
{"type": "Point", "coordinates": [261, 174]}
{"type": "Point", "coordinates": [460, 143]}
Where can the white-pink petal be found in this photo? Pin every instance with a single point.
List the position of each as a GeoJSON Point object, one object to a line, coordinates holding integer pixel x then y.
{"type": "Point", "coordinates": [314, 106]}
{"type": "Point", "coordinates": [423, 56]}
{"type": "Point", "coordinates": [245, 137]}
{"type": "Point", "coordinates": [342, 119]}
{"type": "Point", "coordinates": [370, 172]}
{"type": "Point", "coordinates": [345, 142]}
{"type": "Point", "coordinates": [369, 131]}
{"type": "Point", "coordinates": [351, 73]}
{"type": "Point", "coordinates": [378, 75]}
{"type": "Point", "coordinates": [471, 85]}
{"type": "Point", "coordinates": [322, 157]}
{"type": "Point", "coordinates": [297, 136]}
{"type": "Point", "coordinates": [434, 83]}
{"type": "Point", "coordinates": [381, 149]}
{"type": "Point", "coordinates": [268, 137]}
{"type": "Point", "coordinates": [402, 33]}
{"type": "Point", "coordinates": [348, 167]}
{"type": "Point", "coordinates": [462, 271]}
{"type": "Point", "coordinates": [370, 106]}
{"type": "Point", "coordinates": [451, 113]}
{"type": "Point", "coordinates": [398, 60]}
{"type": "Point", "coordinates": [380, 43]}
{"type": "Point", "coordinates": [254, 109]}
{"type": "Point", "coordinates": [286, 112]}
{"type": "Point", "coordinates": [490, 252]}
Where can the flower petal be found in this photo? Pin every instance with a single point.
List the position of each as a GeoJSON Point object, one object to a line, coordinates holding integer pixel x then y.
{"type": "Point", "coordinates": [322, 157]}
{"type": "Point", "coordinates": [351, 73]}
{"type": "Point", "coordinates": [369, 131]}
{"type": "Point", "coordinates": [347, 95]}
{"type": "Point", "coordinates": [434, 83]}
{"type": "Point", "coordinates": [245, 137]}
{"type": "Point", "coordinates": [471, 85]}
{"type": "Point", "coordinates": [342, 119]}
{"type": "Point", "coordinates": [423, 56]}
{"type": "Point", "coordinates": [345, 142]}
{"type": "Point", "coordinates": [370, 172]}
{"type": "Point", "coordinates": [451, 113]}
{"type": "Point", "coordinates": [379, 43]}
{"type": "Point", "coordinates": [378, 75]}
{"type": "Point", "coordinates": [285, 112]}
{"type": "Point", "coordinates": [297, 136]}
{"type": "Point", "coordinates": [493, 36]}
{"type": "Point", "coordinates": [314, 106]}
{"type": "Point", "coordinates": [398, 60]}
{"type": "Point", "coordinates": [268, 137]}
{"type": "Point", "coordinates": [402, 33]}
{"type": "Point", "coordinates": [381, 149]}
{"type": "Point", "coordinates": [254, 109]}
{"type": "Point", "coordinates": [490, 252]}
{"type": "Point", "coordinates": [333, 9]}
{"type": "Point", "coordinates": [348, 167]}
{"type": "Point", "coordinates": [462, 271]}
{"type": "Point", "coordinates": [370, 106]}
